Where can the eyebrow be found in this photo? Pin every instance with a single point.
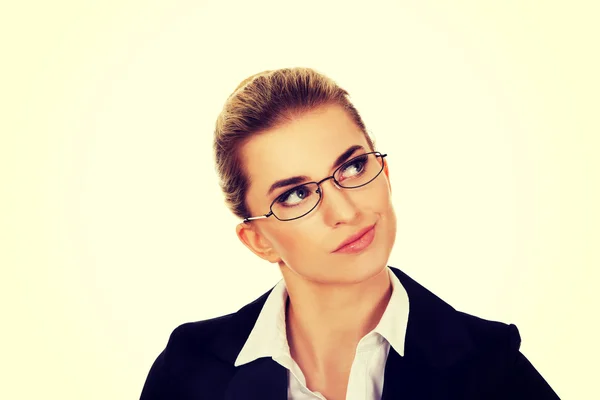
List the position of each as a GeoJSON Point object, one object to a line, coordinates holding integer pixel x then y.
{"type": "Point", "coordinates": [296, 180]}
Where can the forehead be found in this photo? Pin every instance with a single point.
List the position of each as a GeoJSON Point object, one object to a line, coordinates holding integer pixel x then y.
{"type": "Point", "coordinates": [308, 145]}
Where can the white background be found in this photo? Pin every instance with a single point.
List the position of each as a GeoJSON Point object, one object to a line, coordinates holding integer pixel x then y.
{"type": "Point", "coordinates": [113, 230]}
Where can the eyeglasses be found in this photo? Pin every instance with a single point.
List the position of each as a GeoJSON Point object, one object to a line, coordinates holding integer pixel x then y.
{"type": "Point", "coordinates": [302, 199]}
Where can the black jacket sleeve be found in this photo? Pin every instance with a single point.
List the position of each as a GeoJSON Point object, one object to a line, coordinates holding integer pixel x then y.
{"type": "Point", "coordinates": [157, 385]}
{"type": "Point", "coordinates": [523, 381]}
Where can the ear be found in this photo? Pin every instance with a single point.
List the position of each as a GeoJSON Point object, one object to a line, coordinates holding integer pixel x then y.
{"type": "Point", "coordinates": [254, 240]}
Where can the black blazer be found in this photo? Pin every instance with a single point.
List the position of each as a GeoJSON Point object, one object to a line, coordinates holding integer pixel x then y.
{"type": "Point", "coordinates": [448, 355]}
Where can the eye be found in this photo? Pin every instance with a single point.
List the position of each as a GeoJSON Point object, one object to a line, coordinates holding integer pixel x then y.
{"type": "Point", "coordinates": [354, 167]}
{"type": "Point", "coordinates": [294, 196]}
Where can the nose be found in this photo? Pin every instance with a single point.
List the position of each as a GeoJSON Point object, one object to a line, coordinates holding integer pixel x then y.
{"type": "Point", "coordinates": [337, 204]}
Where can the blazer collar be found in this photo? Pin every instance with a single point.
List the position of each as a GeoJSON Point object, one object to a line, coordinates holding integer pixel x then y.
{"type": "Point", "coordinates": [436, 340]}
{"type": "Point", "coordinates": [268, 337]}
{"type": "Point", "coordinates": [435, 336]}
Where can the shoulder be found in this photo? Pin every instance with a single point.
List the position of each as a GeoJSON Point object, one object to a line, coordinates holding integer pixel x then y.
{"type": "Point", "coordinates": [195, 337]}
{"type": "Point", "coordinates": [449, 335]}
{"type": "Point", "coordinates": [186, 355]}
{"type": "Point", "coordinates": [199, 356]}
{"type": "Point", "coordinates": [221, 336]}
{"type": "Point", "coordinates": [501, 364]}
{"type": "Point", "coordinates": [432, 310]}
{"type": "Point", "coordinates": [194, 344]}
{"type": "Point", "coordinates": [490, 334]}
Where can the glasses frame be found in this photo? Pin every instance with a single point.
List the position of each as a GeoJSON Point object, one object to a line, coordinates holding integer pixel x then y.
{"type": "Point", "coordinates": [320, 189]}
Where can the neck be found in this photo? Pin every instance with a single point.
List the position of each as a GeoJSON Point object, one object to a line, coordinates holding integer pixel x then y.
{"type": "Point", "coordinates": [324, 321]}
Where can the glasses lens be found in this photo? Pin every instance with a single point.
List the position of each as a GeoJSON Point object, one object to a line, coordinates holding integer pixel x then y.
{"type": "Point", "coordinates": [359, 171]}
{"type": "Point", "coordinates": [296, 202]}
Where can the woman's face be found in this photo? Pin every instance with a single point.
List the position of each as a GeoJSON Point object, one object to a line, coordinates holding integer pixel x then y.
{"type": "Point", "coordinates": [309, 146]}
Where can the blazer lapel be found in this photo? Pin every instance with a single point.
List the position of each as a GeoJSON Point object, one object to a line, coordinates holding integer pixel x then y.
{"type": "Point", "coordinates": [436, 346]}
{"type": "Point", "coordinates": [436, 343]}
{"type": "Point", "coordinates": [262, 379]}
{"type": "Point", "coordinates": [407, 379]}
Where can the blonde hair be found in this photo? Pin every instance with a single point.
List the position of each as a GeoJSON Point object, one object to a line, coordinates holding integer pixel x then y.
{"type": "Point", "coordinates": [262, 102]}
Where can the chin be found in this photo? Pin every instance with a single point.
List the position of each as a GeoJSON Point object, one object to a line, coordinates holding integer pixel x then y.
{"type": "Point", "coordinates": [366, 265]}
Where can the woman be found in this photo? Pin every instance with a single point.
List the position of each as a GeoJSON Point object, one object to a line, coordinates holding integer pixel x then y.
{"type": "Point", "coordinates": [297, 165]}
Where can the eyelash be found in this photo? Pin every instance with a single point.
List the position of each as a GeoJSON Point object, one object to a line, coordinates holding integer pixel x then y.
{"type": "Point", "coordinates": [284, 196]}
{"type": "Point", "coordinates": [360, 159]}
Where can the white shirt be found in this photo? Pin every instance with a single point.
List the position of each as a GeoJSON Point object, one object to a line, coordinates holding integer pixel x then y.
{"type": "Point", "coordinates": [269, 339]}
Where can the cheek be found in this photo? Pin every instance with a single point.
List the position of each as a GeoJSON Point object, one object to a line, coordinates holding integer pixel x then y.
{"type": "Point", "coordinates": [295, 240]}
{"type": "Point", "coordinates": [376, 198]}
{"type": "Point", "coordinates": [380, 203]}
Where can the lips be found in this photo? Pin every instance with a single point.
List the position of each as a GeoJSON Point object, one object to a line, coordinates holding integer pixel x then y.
{"type": "Point", "coordinates": [355, 237]}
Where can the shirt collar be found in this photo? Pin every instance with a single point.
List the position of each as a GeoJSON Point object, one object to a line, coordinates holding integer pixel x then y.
{"type": "Point", "coordinates": [265, 341]}
{"type": "Point", "coordinates": [393, 322]}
